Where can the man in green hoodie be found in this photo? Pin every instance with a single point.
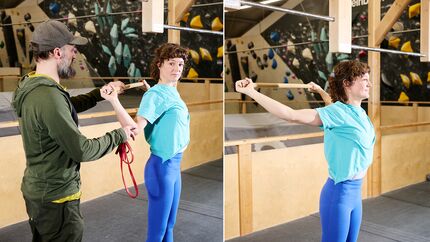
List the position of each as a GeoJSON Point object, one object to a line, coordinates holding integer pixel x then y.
{"type": "Point", "coordinates": [53, 144]}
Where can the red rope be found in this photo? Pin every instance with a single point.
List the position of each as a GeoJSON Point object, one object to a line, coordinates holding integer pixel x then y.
{"type": "Point", "coordinates": [122, 151]}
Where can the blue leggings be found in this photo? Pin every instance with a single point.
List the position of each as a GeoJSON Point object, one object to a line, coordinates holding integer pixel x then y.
{"type": "Point", "coordinates": [341, 210]}
{"type": "Point", "coordinates": [163, 183]}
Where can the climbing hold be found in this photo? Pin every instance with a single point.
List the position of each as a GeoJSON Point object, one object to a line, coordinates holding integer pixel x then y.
{"type": "Point", "coordinates": [250, 45]}
{"type": "Point", "coordinates": [290, 95]}
{"type": "Point", "coordinates": [195, 56]}
{"type": "Point", "coordinates": [414, 10]}
{"type": "Point", "coordinates": [196, 22]}
{"type": "Point", "coordinates": [205, 54]}
{"type": "Point", "coordinates": [185, 17]}
{"type": "Point", "coordinates": [291, 47]}
{"type": "Point", "coordinates": [405, 80]}
{"type": "Point", "coordinates": [114, 35]}
{"type": "Point", "coordinates": [118, 53]}
{"type": "Point", "coordinates": [124, 23]}
{"type": "Point", "coordinates": [416, 80]}
{"type": "Point", "coordinates": [71, 20]}
{"type": "Point", "coordinates": [342, 57]}
{"type": "Point", "coordinates": [106, 50]}
{"type": "Point", "coordinates": [274, 64]}
{"type": "Point", "coordinates": [112, 66]}
{"type": "Point", "coordinates": [97, 12]}
{"type": "Point", "coordinates": [217, 24]}
{"type": "Point", "coordinates": [192, 73]}
{"type": "Point", "coordinates": [296, 63]}
{"type": "Point", "coordinates": [274, 36]}
{"type": "Point", "coordinates": [322, 75]}
{"type": "Point", "coordinates": [89, 26]}
{"type": "Point", "coordinates": [329, 62]}
{"type": "Point", "coordinates": [406, 47]}
{"type": "Point", "coordinates": [27, 17]}
{"type": "Point", "coordinates": [307, 54]}
{"type": "Point", "coordinates": [131, 69]}
{"type": "Point", "coordinates": [109, 15]}
{"type": "Point", "coordinates": [54, 8]}
{"type": "Point", "coordinates": [403, 97]}
{"type": "Point", "coordinates": [126, 56]}
{"type": "Point", "coordinates": [271, 54]}
{"type": "Point", "coordinates": [220, 52]}
{"type": "Point", "coordinates": [362, 54]}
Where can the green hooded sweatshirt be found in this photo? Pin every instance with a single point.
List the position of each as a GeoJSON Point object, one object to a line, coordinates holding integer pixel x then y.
{"type": "Point", "coordinates": [53, 144]}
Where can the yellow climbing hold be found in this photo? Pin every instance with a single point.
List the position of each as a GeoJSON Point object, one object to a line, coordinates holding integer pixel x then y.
{"type": "Point", "coordinates": [205, 54]}
{"type": "Point", "coordinates": [220, 52]}
{"type": "Point", "coordinates": [414, 10]}
{"type": "Point", "coordinates": [192, 73]}
{"type": "Point", "coordinates": [428, 76]}
{"type": "Point", "coordinates": [217, 24]}
{"type": "Point", "coordinates": [403, 97]}
{"type": "Point", "coordinates": [394, 42]}
{"type": "Point", "coordinates": [406, 47]}
{"type": "Point", "coordinates": [196, 22]}
{"type": "Point", "coordinates": [185, 17]}
{"type": "Point", "coordinates": [416, 79]}
{"type": "Point", "coordinates": [195, 56]}
{"type": "Point", "coordinates": [405, 80]}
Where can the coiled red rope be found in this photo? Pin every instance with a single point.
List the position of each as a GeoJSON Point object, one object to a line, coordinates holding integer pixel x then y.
{"type": "Point", "coordinates": [123, 150]}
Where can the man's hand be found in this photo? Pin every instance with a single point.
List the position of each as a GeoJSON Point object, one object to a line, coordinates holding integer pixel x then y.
{"type": "Point", "coordinates": [130, 131]}
{"type": "Point", "coordinates": [118, 85]}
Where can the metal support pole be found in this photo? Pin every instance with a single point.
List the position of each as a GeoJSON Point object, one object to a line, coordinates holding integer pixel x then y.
{"type": "Point", "coordinates": [294, 12]}
{"type": "Point", "coordinates": [193, 30]}
{"type": "Point", "coordinates": [357, 47]}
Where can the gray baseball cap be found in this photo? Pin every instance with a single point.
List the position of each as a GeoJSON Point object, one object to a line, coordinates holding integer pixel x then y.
{"type": "Point", "coordinates": [54, 34]}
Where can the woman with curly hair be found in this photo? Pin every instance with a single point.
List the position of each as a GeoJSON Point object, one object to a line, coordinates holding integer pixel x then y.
{"type": "Point", "coordinates": [349, 138]}
{"type": "Point", "coordinates": [165, 120]}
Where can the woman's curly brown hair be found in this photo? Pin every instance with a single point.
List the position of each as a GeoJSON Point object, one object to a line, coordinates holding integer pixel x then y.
{"type": "Point", "coordinates": [165, 52]}
{"type": "Point", "coordinates": [344, 75]}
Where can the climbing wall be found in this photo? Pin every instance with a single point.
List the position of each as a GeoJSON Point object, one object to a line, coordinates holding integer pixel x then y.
{"type": "Point", "coordinates": [117, 47]}
{"type": "Point", "coordinates": [303, 47]}
{"type": "Point", "coordinates": [264, 65]}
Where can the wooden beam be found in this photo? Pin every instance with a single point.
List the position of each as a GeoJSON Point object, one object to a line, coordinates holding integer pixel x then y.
{"type": "Point", "coordinates": [374, 111]}
{"type": "Point", "coordinates": [389, 19]}
{"type": "Point", "coordinates": [424, 32]}
{"type": "Point", "coordinates": [182, 8]}
{"type": "Point", "coordinates": [282, 85]}
{"type": "Point", "coordinates": [245, 189]}
{"type": "Point", "coordinates": [340, 30]}
{"type": "Point", "coordinates": [173, 36]}
{"type": "Point", "coordinates": [153, 16]}
{"type": "Point", "coordinates": [10, 71]}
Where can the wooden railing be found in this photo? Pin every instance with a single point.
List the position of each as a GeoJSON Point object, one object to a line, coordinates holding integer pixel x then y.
{"type": "Point", "coordinates": [244, 153]}
{"type": "Point", "coordinates": [131, 111]}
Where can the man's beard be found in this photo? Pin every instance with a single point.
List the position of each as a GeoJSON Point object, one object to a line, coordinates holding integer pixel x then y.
{"type": "Point", "coordinates": [65, 69]}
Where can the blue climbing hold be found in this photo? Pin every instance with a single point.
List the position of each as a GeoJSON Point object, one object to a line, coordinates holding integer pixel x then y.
{"type": "Point", "coordinates": [322, 75]}
{"type": "Point", "coordinates": [290, 95]}
{"type": "Point", "coordinates": [271, 54]}
{"type": "Point", "coordinates": [275, 37]}
{"type": "Point", "coordinates": [54, 8]}
{"type": "Point", "coordinates": [274, 64]}
{"type": "Point", "coordinates": [285, 79]}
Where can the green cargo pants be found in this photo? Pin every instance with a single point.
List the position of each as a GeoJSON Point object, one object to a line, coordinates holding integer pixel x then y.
{"type": "Point", "coordinates": [55, 222]}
